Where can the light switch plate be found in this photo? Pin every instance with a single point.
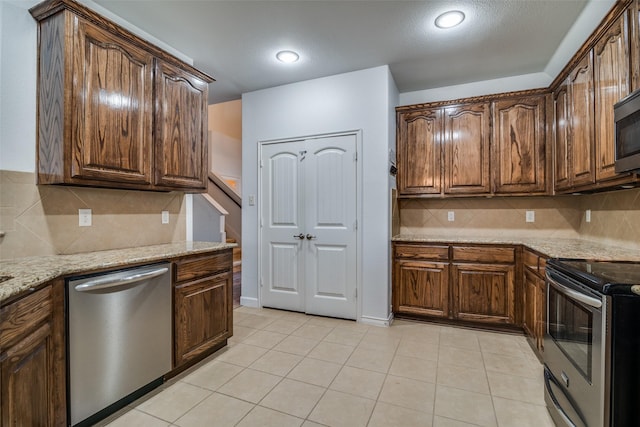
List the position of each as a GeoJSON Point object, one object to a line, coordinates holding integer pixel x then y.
{"type": "Point", "coordinates": [530, 216]}
{"type": "Point", "coordinates": [165, 217]}
{"type": "Point", "coordinates": [587, 215]}
{"type": "Point", "coordinates": [84, 217]}
{"type": "Point", "coordinates": [252, 200]}
{"type": "Point", "coordinates": [451, 216]}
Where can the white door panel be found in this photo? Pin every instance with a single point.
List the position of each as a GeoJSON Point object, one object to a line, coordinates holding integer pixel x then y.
{"type": "Point", "coordinates": [309, 187]}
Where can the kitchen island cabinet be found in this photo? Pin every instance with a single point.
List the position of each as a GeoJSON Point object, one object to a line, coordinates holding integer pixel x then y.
{"type": "Point", "coordinates": [203, 304]}
{"type": "Point", "coordinates": [101, 91]}
{"type": "Point", "coordinates": [32, 359]}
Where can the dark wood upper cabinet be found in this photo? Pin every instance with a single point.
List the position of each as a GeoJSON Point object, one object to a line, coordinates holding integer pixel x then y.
{"type": "Point", "coordinates": [466, 149]}
{"type": "Point", "coordinates": [419, 152]}
{"type": "Point", "coordinates": [581, 106]}
{"type": "Point", "coordinates": [612, 83]}
{"type": "Point", "coordinates": [181, 145]}
{"type": "Point", "coordinates": [562, 138]}
{"type": "Point", "coordinates": [100, 91]}
{"type": "Point", "coordinates": [518, 150]}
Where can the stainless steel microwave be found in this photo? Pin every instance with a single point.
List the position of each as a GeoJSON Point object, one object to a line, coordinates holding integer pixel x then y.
{"type": "Point", "coordinates": [627, 119]}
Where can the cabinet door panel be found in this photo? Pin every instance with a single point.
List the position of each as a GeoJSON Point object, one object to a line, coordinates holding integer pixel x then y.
{"type": "Point", "coordinates": [530, 304]}
{"type": "Point", "coordinates": [112, 112]}
{"type": "Point", "coordinates": [582, 124]}
{"type": "Point", "coordinates": [419, 152]}
{"type": "Point", "coordinates": [484, 292]}
{"type": "Point", "coordinates": [519, 145]}
{"type": "Point", "coordinates": [561, 152]}
{"type": "Point", "coordinates": [202, 315]}
{"type": "Point", "coordinates": [612, 83]}
{"type": "Point", "coordinates": [181, 129]}
{"type": "Point", "coordinates": [467, 149]}
{"type": "Point", "coordinates": [421, 288]}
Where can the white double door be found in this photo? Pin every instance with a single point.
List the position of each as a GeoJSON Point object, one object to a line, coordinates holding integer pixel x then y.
{"type": "Point", "coordinates": [308, 226]}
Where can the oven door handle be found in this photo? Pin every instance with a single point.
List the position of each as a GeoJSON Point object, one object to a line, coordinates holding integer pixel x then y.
{"type": "Point", "coordinates": [579, 296]}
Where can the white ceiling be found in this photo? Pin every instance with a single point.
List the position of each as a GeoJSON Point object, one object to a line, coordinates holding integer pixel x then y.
{"type": "Point", "coordinates": [235, 41]}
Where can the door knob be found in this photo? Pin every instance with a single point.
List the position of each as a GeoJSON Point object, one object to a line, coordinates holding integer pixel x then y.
{"type": "Point", "coordinates": [299, 236]}
{"type": "Point", "coordinates": [310, 237]}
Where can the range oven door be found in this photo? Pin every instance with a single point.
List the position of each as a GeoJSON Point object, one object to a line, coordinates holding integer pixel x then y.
{"type": "Point", "coordinates": [573, 352]}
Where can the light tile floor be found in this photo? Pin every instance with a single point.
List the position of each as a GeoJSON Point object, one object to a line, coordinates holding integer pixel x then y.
{"type": "Point", "coordinates": [288, 369]}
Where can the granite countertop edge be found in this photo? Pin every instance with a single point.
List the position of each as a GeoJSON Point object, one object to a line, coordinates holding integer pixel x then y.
{"type": "Point", "coordinates": [28, 273]}
{"type": "Point", "coordinates": [551, 247]}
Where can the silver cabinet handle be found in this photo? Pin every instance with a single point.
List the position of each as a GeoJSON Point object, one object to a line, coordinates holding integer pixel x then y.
{"type": "Point", "coordinates": [110, 282]}
{"type": "Point", "coordinates": [310, 237]}
{"type": "Point", "coordinates": [299, 236]}
{"type": "Point", "coordinates": [578, 296]}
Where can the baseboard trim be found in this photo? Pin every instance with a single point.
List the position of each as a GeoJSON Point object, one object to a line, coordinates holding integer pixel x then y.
{"type": "Point", "coordinates": [249, 302]}
{"type": "Point", "coordinates": [377, 321]}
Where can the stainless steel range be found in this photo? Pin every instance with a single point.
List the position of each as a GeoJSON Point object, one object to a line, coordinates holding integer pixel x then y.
{"type": "Point", "coordinates": [592, 345]}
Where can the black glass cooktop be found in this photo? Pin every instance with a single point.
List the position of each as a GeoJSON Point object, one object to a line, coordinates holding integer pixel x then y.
{"type": "Point", "coordinates": [603, 276]}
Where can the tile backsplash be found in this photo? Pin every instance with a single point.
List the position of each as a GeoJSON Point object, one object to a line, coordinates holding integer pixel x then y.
{"type": "Point", "coordinates": [615, 217]}
{"type": "Point", "coordinates": [43, 220]}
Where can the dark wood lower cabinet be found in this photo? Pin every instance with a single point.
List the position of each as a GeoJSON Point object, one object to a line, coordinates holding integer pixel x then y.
{"type": "Point", "coordinates": [534, 300]}
{"type": "Point", "coordinates": [32, 361]}
{"type": "Point", "coordinates": [484, 292]}
{"type": "Point", "coordinates": [423, 288]}
{"type": "Point", "coordinates": [203, 305]}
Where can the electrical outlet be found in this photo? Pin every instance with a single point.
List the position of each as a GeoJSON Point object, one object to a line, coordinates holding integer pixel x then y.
{"type": "Point", "coordinates": [530, 216]}
{"type": "Point", "coordinates": [451, 216]}
{"type": "Point", "coordinates": [84, 217]}
{"type": "Point", "coordinates": [165, 217]}
{"type": "Point", "coordinates": [587, 215]}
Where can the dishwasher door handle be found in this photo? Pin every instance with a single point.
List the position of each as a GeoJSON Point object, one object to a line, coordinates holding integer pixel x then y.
{"type": "Point", "coordinates": [111, 282]}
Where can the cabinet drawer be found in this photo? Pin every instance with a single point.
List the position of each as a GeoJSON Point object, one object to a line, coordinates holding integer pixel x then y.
{"type": "Point", "coordinates": [483, 254]}
{"type": "Point", "coordinates": [23, 315]}
{"type": "Point", "coordinates": [530, 261]}
{"type": "Point", "coordinates": [422, 252]}
{"type": "Point", "coordinates": [192, 268]}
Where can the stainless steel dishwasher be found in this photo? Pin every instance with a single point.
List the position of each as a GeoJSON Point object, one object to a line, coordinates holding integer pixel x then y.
{"type": "Point", "coordinates": [119, 338]}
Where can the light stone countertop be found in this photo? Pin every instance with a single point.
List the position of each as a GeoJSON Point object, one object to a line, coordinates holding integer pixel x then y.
{"type": "Point", "coordinates": [30, 272]}
{"type": "Point", "coordinates": [552, 247]}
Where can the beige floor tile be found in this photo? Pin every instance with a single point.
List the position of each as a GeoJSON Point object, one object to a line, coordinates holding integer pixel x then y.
{"type": "Point", "coordinates": [422, 335]}
{"type": "Point", "coordinates": [285, 325]}
{"type": "Point", "coordinates": [426, 350]}
{"type": "Point", "coordinates": [530, 390]}
{"type": "Point", "coordinates": [312, 332]}
{"type": "Point", "coordinates": [339, 409]}
{"type": "Point", "coordinates": [408, 393]}
{"type": "Point", "coordinates": [345, 336]}
{"type": "Point", "coordinates": [501, 344]}
{"type": "Point", "coordinates": [511, 413]}
{"type": "Point", "coordinates": [463, 405]}
{"type": "Point", "coordinates": [448, 422]}
{"type": "Point", "coordinates": [138, 419]}
{"type": "Point", "coordinates": [254, 321]}
{"type": "Point", "coordinates": [296, 345]}
{"type": "Point", "coordinates": [263, 417]}
{"type": "Point", "coordinates": [250, 385]}
{"type": "Point", "coordinates": [174, 401]}
{"type": "Point", "coordinates": [465, 378]}
{"type": "Point", "coordinates": [412, 367]}
{"type": "Point", "coordinates": [359, 382]}
{"type": "Point", "coordinates": [212, 375]}
{"type": "Point", "coordinates": [460, 357]}
{"type": "Point", "coordinates": [240, 333]}
{"type": "Point", "coordinates": [316, 372]}
{"type": "Point", "coordinates": [331, 322]}
{"type": "Point", "coordinates": [370, 359]}
{"type": "Point", "coordinates": [264, 339]}
{"type": "Point", "coordinates": [216, 410]}
{"type": "Point", "coordinates": [377, 341]}
{"type": "Point", "coordinates": [241, 354]}
{"type": "Point", "coordinates": [459, 338]}
{"type": "Point", "coordinates": [293, 397]}
{"type": "Point", "coordinates": [516, 366]}
{"type": "Point", "coordinates": [308, 423]}
{"type": "Point", "coordinates": [385, 415]}
{"type": "Point", "coordinates": [276, 363]}
{"type": "Point", "coordinates": [331, 352]}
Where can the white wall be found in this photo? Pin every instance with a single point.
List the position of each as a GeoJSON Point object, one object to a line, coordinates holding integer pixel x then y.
{"type": "Point", "coordinates": [360, 100]}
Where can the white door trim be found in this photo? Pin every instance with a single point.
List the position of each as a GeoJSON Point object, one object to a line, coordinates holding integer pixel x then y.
{"type": "Point", "coordinates": [359, 192]}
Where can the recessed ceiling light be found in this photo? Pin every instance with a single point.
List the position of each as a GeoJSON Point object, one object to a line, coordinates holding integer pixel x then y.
{"type": "Point", "coordinates": [449, 19]}
{"type": "Point", "coordinates": [287, 56]}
